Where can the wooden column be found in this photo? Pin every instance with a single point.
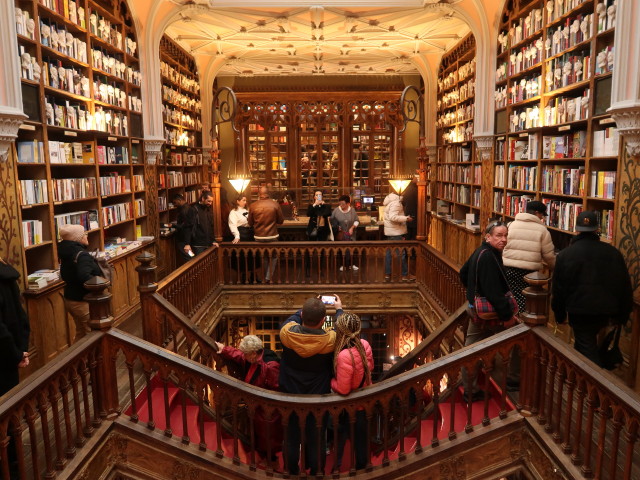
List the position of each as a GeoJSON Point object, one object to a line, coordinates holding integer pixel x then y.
{"type": "Point", "coordinates": [537, 297]}
{"type": "Point", "coordinates": [147, 286]}
{"type": "Point", "coordinates": [484, 147]}
{"type": "Point", "coordinates": [423, 173]}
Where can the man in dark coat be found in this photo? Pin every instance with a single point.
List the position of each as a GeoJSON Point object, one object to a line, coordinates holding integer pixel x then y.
{"type": "Point", "coordinates": [591, 285]}
{"type": "Point", "coordinates": [198, 227]}
{"type": "Point", "coordinates": [307, 367]}
{"type": "Point", "coordinates": [182, 236]}
{"type": "Point", "coordinates": [14, 329]}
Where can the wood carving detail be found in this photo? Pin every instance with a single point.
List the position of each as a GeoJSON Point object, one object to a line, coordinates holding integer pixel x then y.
{"type": "Point", "coordinates": [10, 232]}
{"type": "Point", "coordinates": [539, 461]}
{"type": "Point", "coordinates": [453, 469]}
{"type": "Point", "coordinates": [286, 300]}
{"type": "Point", "coordinates": [628, 234]}
{"type": "Point", "coordinates": [384, 300]}
{"type": "Point", "coordinates": [185, 471]}
{"type": "Point", "coordinates": [255, 301]}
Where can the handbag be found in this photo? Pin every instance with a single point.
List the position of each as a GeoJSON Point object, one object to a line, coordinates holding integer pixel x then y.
{"type": "Point", "coordinates": [609, 350]}
{"type": "Point", "coordinates": [246, 233]}
{"type": "Point", "coordinates": [484, 310]}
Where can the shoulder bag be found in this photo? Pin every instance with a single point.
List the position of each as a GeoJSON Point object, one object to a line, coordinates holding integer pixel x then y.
{"type": "Point", "coordinates": [485, 311]}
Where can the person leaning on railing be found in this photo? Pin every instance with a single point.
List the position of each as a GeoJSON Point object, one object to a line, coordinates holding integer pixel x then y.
{"type": "Point", "coordinates": [484, 277]}
{"type": "Point", "coordinates": [260, 367]}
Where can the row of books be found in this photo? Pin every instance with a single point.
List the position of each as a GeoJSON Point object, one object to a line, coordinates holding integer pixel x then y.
{"type": "Point", "coordinates": [606, 142]}
{"type": "Point", "coordinates": [522, 177]}
{"type": "Point", "coordinates": [603, 184]}
{"type": "Point", "coordinates": [68, 9]}
{"type": "Point", "coordinates": [42, 278]}
{"type": "Point", "coordinates": [162, 204]}
{"type": "Point", "coordinates": [23, 26]}
{"type": "Point", "coordinates": [572, 31]}
{"type": "Point", "coordinates": [102, 28]}
{"type": "Point", "coordinates": [138, 182]}
{"type": "Point", "coordinates": [563, 180]}
{"type": "Point", "coordinates": [188, 159]}
{"type": "Point", "coordinates": [514, 203]}
{"type": "Point", "coordinates": [112, 155]}
{"type": "Point", "coordinates": [523, 148]}
{"type": "Point", "coordinates": [60, 39]}
{"type": "Point", "coordinates": [87, 218]}
{"type": "Point", "coordinates": [31, 232]}
{"type": "Point", "coordinates": [568, 69]}
{"type": "Point", "coordinates": [138, 207]}
{"type": "Point", "coordinates": [456, 154]}
{"type": "Point", "coordinates": [607, 223]}
{"type": "Point", "coordinates": [73, 188]}
{"type": "Point", "coordinates": [562, 214]}
{"type": "Point", "coordinates": [116, 213]}
{"type": "Point", "coordinates": [33, 192]}
{"type": "Point", "coordinates": [573, 145]}
{"type": "Point", "coordinates": [113, 183]}
{"type": "Point", "coordinates": [71, 152]}
{"type": "Point", "coordinates": [55, 75]}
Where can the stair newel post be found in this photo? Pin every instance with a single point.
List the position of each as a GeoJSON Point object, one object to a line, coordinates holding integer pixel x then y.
{"type": "Point", "coordinates": [537, 299]}
{"type": "Point", "coordinates": [147, 286]}
{"type": "Point", "coordinates": [100, 318]}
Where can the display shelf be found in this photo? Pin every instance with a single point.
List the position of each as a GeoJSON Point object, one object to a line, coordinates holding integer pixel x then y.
{"type": "Point", "coordinates": [183, 127]}
{"type": "Point", "coordinates": [59, 142]}
{"type": "Point", "coordinates": [576, 65]}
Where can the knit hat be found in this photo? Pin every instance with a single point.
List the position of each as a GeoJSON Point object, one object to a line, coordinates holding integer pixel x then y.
{"type": "Point", "coordinates": [72, 232]}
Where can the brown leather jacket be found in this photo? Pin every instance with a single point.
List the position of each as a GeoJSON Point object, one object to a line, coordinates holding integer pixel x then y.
{"type": "Point", "coordinates": [265, 216]}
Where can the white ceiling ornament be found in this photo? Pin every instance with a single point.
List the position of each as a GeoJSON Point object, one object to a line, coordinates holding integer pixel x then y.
{"type": "Point", "coordinates": [264, 40]}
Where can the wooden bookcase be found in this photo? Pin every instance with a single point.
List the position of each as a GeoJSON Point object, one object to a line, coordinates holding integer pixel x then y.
{"type": "Point", "coordinates": [458, 171]}
{"type": "Point", "coordinates": [80, 153]}
{"type": "Point", "coordinates": [335, 142]}
{"type": "Point", "coordinates": [555, 142]}
{"type": "Point", "coordinates": [181, 168]}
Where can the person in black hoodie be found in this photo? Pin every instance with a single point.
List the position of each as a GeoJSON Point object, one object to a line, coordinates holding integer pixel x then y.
{"type": "Point", "coordinates": [183, 233]}
{"type": "Point", "coordinates": [591, 285]}
{"type": "Point", "coordinates": [77, 266]}
{"type": "Point", "coordinates": [14, 329]}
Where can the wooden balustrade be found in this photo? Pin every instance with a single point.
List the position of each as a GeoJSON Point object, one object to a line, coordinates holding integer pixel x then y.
{"type": "Point", "coordinates": [440, 278]}
{"type": "Point", "coordinates": [317, 263]}
{"type": "Point", "coordinates": [194, 283]}
{"type": "Point", "coordinates": [586, 411]}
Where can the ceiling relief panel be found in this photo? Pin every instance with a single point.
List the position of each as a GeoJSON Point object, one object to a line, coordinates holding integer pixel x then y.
{"type": "Point", "coordinates": [318, 40]}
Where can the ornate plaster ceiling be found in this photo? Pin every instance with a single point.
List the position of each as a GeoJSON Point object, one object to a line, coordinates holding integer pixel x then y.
{"type": "Point", "coordinates": [318, 40]}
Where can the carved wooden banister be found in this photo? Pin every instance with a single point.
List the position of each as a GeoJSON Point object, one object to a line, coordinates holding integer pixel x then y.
{"type": "Point", "coordinates": [439, 342]}
{"type": "Point", "coordinates": [186, 337]}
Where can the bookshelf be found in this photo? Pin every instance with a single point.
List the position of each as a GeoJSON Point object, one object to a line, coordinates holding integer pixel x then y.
{"type": "Point", "coordinates": [320, 152]}
{"type": "Point", "coordinates": [79, 154]}
{"type": "Point", "coordinates": [267, 150]}
{"type": "Point", "coordinates": [554, 141]}
{"type": "Point", "coordinates": [458, 169]}
{"type": "Point", "coordinates": [181, 169]}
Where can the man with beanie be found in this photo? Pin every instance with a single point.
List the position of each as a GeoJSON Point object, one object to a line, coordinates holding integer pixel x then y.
{"type": "Point", "coordinates": [529, 245]}
{"type": "Point", "coordinates": [591, 285]}
{"type": "Point", "coordinates": [77, 266]}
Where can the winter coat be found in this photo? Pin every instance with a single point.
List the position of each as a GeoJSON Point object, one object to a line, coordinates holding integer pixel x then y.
{"type": "Point", "coordinates": [591, 278]}
{"type": "Point", "coordinates": [199, 226]}
{"type": "Point", "coordinates": [77, 266]}
{"type": "Point", "coordinates": [344, 221]}
{"type": "Point", "coordinates": [350, 370]}
{"type": "Point", "coordinates": [263, 373]}
{"type": "Point", "coordinates": [528, 244]}
{"type": "Point", "coordinates": [395, 221]}
{"type": "Point", "coordinates": [307, 357]}
{"type": "Point", "coordinates": [491, 284]}
{"type": "Point", "coordinates": [314, 212]}
{"type": "Point", "coordinates": [14, 324]}
{"type": "Point", "coordinates": [264, 216]}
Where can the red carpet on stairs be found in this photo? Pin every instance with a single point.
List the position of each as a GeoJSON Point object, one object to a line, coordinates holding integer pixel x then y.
{"type": "Point", "coordinates": [175, 402]}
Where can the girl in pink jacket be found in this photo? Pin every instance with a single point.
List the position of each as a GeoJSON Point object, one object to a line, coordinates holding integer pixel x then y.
{"type": "Point", "coordinates": [353, 363]}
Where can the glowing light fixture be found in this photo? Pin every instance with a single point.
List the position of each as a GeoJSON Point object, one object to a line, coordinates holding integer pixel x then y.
{"type": "Point", "coordinates": [399, 183]}
{"type": "Point", "coordinates": [240, 182]}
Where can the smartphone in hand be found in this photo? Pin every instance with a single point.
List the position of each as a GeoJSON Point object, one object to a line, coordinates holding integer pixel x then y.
{"type": "Point", "coordinates": [328, 299]}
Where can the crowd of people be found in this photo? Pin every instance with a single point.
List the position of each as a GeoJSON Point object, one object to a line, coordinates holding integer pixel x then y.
{"type": "Point", "coordinates": [315, 360]}
{"type": "Point", "coordinates": [259, 222]}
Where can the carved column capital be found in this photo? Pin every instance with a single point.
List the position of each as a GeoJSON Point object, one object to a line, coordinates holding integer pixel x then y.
{"type": "Point", "coordinates": [628, 121]}
{"type": "Point", "coordinates": [153, 149]}
{"type": "Point", "coordinates": [207, 155]}
{"type": "Point", "coordinates": [10, 121]}
{"type": "Point", "coordinates": [484, 144]}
